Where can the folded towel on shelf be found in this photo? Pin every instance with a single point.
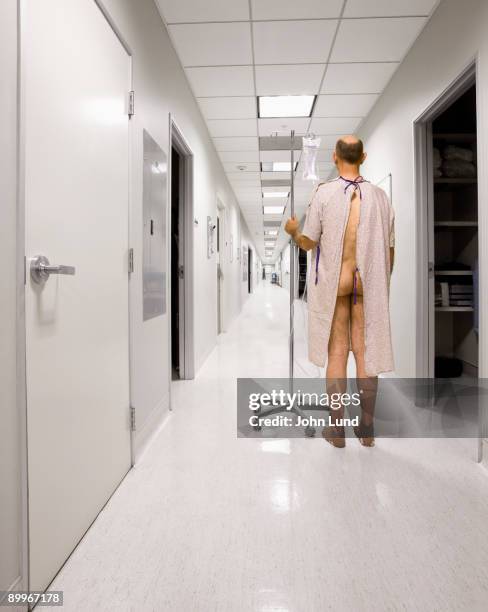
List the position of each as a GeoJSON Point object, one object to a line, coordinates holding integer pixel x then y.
{"type": "Point", "coordinates": [461, 153]}
{"type": "Point", "coordinates": [458, 168]}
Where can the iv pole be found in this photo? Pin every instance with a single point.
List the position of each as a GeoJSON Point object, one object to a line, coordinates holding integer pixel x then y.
{"type": "Point", "coordinates": [291, 339]}
{"type": "Point", "coordinates": [277, 408]}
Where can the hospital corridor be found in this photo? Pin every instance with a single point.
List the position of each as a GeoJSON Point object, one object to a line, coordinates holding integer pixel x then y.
{"type": "Point", "coordinates": [243, 329]}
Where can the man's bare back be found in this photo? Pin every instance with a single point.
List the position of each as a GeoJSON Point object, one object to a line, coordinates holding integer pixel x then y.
{"type": "Point", "coordinates": [348, 266]}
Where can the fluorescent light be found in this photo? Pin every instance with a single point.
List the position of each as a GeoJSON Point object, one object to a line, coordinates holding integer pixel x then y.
{"type": "Point", "coordinates": [277, 166]}
{"type": "Point", "coordinates": [285, 106]}
{"type": "Point", "coordinates": [283, 166]}
{"type": "Point", "coordinates": [275, 194]}
{"type": "Point", "coordinates": [273, 210]}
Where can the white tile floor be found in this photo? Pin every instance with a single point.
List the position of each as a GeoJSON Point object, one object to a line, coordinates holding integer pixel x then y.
{"type": "Point", "coordinates": [209, 522]}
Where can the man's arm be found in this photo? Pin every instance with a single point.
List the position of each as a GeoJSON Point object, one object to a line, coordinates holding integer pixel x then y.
{"type": "Point", "coordinates": [291, 227]}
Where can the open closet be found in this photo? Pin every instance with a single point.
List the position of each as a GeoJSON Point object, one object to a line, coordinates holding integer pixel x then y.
{"type": "Point", "coordinates": [454, 215]}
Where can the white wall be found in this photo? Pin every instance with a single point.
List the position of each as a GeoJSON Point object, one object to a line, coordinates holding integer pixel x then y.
{"type": "Point", "coordinates": [10, 466]}
{"type": "Point", "coordinates": [161, 88]}
{"type": "Point", "coordinates": [452, 38]}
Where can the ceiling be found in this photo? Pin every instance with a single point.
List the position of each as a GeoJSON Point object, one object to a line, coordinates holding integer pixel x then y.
{"type": "Point", "coordinates": [342, 51]}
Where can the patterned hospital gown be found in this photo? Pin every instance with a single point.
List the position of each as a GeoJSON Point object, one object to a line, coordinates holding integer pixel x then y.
{"type": "Point", "coordinates": [325, 223]}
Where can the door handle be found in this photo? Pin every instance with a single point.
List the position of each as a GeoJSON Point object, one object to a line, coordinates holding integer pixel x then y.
{"type": "Point", "coordinates": [41, 269]}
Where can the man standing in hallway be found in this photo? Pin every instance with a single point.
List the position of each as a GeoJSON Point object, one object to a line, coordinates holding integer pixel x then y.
{"type": "Point", "coordinates": [349, 227]}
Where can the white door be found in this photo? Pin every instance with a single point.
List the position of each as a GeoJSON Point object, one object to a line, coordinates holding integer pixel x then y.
{"type": "Point", "coordinates": [76, 181]}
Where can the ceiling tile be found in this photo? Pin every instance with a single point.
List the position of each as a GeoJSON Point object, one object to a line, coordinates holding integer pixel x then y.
{"type": "Point", "coordinates": [251, 183]}
{"type": "Point", "coordinates": [288, 79]}
{"type": "Point", "coordinates": [232, 127]}
{"type": "Point", "coordinates": [339, 126]}
{"type": "Point", "coordinates": [375, 40]}
{"type": "Point", "coordinates": [293, 42]}
{"type": "Point", "coordinates": [388, 8]}
{"type": "Point", "coordinates": [243, 176]}
{"type": "Point", "coordinates": [357, 78]}
{"type": "Point", "coordinates": [234, 167]}
{"type": "Point", "coordinates": [291, 9]}
{"type": "Point", "coordinates": [207, 44]}
{"type": "Point", "coordinates": [246, 143]}
{"type": "Point", "coordinates": [252, 211]}
{"type": "Point", "coordinates": [210, 10]}
{"type": "Point", "coordinates": [349, 105]}
{"type": "Point", "coordinates": [253, 207]}
{"type": "Point", "coordinates": [283, 124]}
{"type": "Point", "coordinates": [229, 108]}
{"type": "Point", "coordinates": [239, 156]}
{"type": "Point", "coordinates": [221, 81]}
{"type": "Point", "coordinates": [248, 192]}
{"type": "Point", "coordinates": [328, 142]}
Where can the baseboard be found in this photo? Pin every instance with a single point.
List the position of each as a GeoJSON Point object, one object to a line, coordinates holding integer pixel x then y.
{"type": "Point", "coordinates": [150, 427]}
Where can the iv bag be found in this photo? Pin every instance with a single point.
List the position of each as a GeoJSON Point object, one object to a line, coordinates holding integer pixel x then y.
{"type": "Point", "coordinates": [311, 146]}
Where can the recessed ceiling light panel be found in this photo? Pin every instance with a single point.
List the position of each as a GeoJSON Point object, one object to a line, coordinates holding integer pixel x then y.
{"type": "Point", "coordinates": [285, 106]}
{"type": "Point", "coordinates": [275, 194]}
{"type": "Point", "coordinates": [277, 166]}
{"type": "Point", "coordinates": [273, 210]}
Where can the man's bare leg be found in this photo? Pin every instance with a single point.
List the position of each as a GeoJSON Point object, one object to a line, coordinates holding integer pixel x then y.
{"type": "Point", "coordinates": [336, 373]}
{"type": "Point", "coordinates": [367, 385]}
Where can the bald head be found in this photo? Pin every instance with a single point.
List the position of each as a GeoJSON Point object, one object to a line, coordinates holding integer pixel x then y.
{"type": "Point", "coordinates": [349, 149]}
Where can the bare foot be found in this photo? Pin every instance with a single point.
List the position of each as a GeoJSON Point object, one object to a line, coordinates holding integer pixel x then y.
{"type": "Point", "coordinates": [334, 435]}
{"type": "Point", "coordinates": [365, 434]}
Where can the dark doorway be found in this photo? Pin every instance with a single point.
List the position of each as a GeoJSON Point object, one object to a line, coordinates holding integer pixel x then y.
{"type": "Point", "coordinates": [455, 239]}
{"type": "Point", "coordinates": [175, 259]}
{"type": "Point", "coordinates": [302, 272]}
{"type": "Point", "coordinates": [249, 270]}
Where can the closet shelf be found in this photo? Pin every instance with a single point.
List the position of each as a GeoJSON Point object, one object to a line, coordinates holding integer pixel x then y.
{"type": "Point", "coordinates": [454, 308]}
{"type": "Point", "coordinates": [453, 272]}
{"type": "Point", "coordinates": [455, 181]}
{"type": "Point", "coordinates": [456, 224]}
{"type": "Point", "coordinates": [459, 137]}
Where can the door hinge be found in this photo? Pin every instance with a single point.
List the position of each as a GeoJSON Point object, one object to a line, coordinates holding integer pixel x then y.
{"type": "Point", "coordinates": [132, 418]}
{"type": "Point", "coordinates": [130, 105]}
{"type": "Point", "coordinates": [131, 261]}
